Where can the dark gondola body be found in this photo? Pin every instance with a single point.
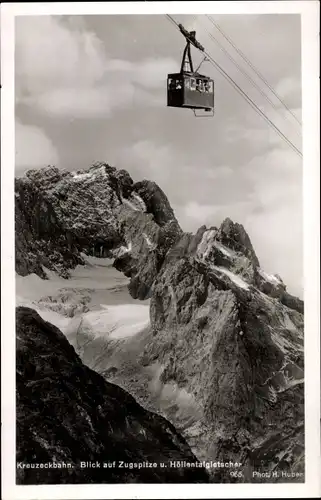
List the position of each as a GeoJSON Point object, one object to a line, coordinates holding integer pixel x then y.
{"type": "Point", "coordinates": [188, 88]}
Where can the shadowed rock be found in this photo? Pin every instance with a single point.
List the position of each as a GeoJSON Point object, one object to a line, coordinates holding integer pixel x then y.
{"type": "Point", "coordinates": [67, 413]}
{"type": "Point", "coordinates": [226, 338]}
{"type": "Point", "coordinates": [98, 211]}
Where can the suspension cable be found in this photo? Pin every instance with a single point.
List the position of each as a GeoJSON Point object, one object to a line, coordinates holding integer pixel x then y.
{"type": "Point", "coordinates": [245, 96]}
{"type": "Point", "coordinates": [256, 71]}
{"type": "Point", "coordinates": [242, 70]}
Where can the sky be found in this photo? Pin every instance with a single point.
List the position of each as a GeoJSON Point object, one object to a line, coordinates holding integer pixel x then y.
{"type": "Point", "coordinates": [93, 88]}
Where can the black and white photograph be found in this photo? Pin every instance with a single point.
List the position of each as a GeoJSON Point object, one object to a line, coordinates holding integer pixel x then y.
{"type": "Point", "coordinates": [159, 249]}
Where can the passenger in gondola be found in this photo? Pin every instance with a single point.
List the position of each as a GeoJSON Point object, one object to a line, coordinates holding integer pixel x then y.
{"type": "Point", "coordinates": [199, 86]}
{"type": "Point", "coordinates": [172, 84]}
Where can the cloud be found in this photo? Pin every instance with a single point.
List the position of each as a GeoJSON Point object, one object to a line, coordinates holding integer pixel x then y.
{"type": "Point", "coordinates": [271, 210]}
{"type": "Point", "coordinates": [276, 220]}
{"type": "Point", "coordinates": [232, 165]}
{"type": "Point", "coordinates": [64, 70]}
{"type": "Point", "coordinates": [50, 54]}
{"type": "Point", "coordinates": [33, 148]}
{"type": "Point", "coordinates": [264, 194]}
{"type": "Point", "coordinates": [148, 73]}
{"type": "Point", "coordinates": [150, 159]}
{"type": "Point", "coordinates": [260, 38]}
{"type": "Point", "coordinates": [261, 56]}
{"type": "Point", "coordinates": [289, 89]}
{"type": "Point", "coordinates": [83, 102]}
{"type": "Point", "coordinates": [209, 214]}
{"type": "Point", "coordinates": [194, 214]}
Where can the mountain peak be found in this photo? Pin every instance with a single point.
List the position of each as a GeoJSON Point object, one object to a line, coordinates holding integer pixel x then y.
{"type": "Point", "coordinates": [225, 343]}
{"type": "Point", "coordinates": [100, 211]}
{"type": "Point", "coordinates": [236, 237]}
{"type": "Point", "coordinates": [156, 202]}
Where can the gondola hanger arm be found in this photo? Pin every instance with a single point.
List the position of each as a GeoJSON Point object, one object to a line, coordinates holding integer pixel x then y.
{"type": "Point", "coordinates": [191, 37]}
{"type": "Point", "coordinates": [200, 64]}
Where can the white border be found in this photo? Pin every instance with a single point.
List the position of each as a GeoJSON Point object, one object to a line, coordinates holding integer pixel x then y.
{"type": "Point", "coordinates": [309, 11]}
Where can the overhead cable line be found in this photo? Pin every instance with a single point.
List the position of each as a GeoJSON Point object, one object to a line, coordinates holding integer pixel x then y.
{"type": "Point", "coordinates": [244, 95]}
{"type": "Point", "coordinates": [256, 71]}
{"type": "Point", "coordinates": [242, 70]}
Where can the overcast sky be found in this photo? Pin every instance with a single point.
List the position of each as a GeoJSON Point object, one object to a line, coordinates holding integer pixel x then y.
{"type": "Point", "coordinates": [94, 88]}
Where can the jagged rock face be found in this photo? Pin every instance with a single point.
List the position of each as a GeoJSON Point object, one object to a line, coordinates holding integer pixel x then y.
{"type": "Point", "coordinates": [236, 350]}
{"type": "Point", "coordinates": [68, 413]}
{"type": "Point", "coordinates": [224, 334]}
{"type": "Point", "coordinates": [156, 202]}
{"type": "Point", "coordinates": [229, 250]}
{"type": "Point", "coordinates": [40, 239]}
{"type": "Point", "coordinates": [146, 246]}
{"type": "Point", "coordinates": [235, 237]}
{"type": "Point", "coordinates": [100, 212]}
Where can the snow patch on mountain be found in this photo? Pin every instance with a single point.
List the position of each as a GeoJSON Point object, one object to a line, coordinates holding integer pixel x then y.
{"type": "Point", "coordinates": [94, 298]}
{"type": "Point", "coordinates": [150, 244]}
{"type": "Point", "coordinates": [64, 323]}
{"type": "Point", "coordinates": [140, 202]}
{"type": "Point", "coordinates": [81, 177]}
{"type": "Point", "coordinates": [130, 204]}
{"type": "Point", "coordinates": [134, 202]}
{"type": "Point", "coordinates": [119, 252]}
{"type": "Point", "coordinates": [270, 277]}
{"type": "Point", "coordinates": [233, 277]}
{"type": "Point", "coordinates": [206, 244]}
{"type": "Point", "coordinates": [222, 248]}
{"type": "Point", "coordinates": [115, 322]}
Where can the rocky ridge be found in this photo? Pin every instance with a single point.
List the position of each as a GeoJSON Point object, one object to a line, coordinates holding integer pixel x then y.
{"type": "Point", "coordinates": [68, 414]}
{"type": "Point", "coordinates": [236, 350]}
{"type": "Point", "coordinates": [222, 331]}
{"type": "Point", "coordinates": [100, 212]}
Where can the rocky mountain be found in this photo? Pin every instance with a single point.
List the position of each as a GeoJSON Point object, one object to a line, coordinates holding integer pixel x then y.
{"type": "Point", "coordinates": [222, 358]}
{"type": "Point", "coordinates": [68, 414]}
{"type": "Point", "coordinates": [101, 212]}
{"type": "Point", "coordinates": [222, 332]}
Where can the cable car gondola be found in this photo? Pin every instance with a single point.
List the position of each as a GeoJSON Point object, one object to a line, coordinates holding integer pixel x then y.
{"type": "Point", "coordinates": [188, 88]}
